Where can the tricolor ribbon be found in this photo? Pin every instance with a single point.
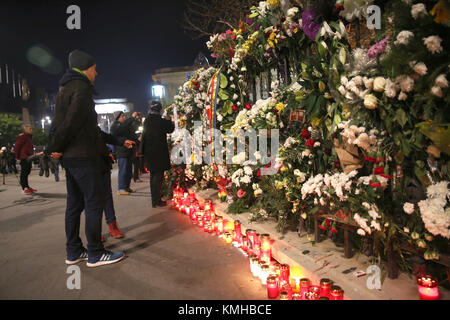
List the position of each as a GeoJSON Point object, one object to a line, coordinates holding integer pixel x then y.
{"type": "Point", "coordinates": [211, 113]}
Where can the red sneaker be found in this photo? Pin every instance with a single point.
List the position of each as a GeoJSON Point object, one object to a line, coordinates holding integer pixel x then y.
{"type": "Point", "coordinates": [27, 191]}
{"type": "Point", "coordinates": [33, 190]}
{"type": "Point", "coordinates": [103, 238]}
{"type": "Point", "coordinates": [114, 230]}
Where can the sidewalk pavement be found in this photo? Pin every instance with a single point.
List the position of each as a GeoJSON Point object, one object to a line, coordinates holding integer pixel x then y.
{"type": "Point", "coordinates": [167, 257]}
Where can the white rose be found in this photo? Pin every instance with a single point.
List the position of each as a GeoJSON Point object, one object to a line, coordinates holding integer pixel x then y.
{"type": "Point", "coordinates": [420, 68]}
{"type": "Point", "coordinates": [441, 81]}
{"type": "Point", "coordinates": [390, 89]}
{"type": "Point", "coordinates": [370, 101]}
{"type": "Point", "coordinates": [361, 232]}
{"type": "Point", "coordinates": [437, 91]}
{"type": "Point", "coordinates": [379, 84]}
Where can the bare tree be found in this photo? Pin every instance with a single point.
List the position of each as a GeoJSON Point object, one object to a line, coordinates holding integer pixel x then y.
{"type": "Point", "coordinates": [203, 18]}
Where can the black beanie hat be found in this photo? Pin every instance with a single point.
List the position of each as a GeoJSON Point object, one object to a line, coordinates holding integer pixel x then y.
{"type": "Point", "coordinates": [80, 60]}
{"type": "Point", "coordinates": [155, 106]}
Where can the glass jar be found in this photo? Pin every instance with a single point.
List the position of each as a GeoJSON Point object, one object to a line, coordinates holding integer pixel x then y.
{"type": "Point", "coordinates": [336, 293]}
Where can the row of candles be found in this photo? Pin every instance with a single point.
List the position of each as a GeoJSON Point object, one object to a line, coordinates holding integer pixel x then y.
{"type": "Point", "coordinates": [282, 281]}
{"type": "Point", "coordinates": [277, 278]}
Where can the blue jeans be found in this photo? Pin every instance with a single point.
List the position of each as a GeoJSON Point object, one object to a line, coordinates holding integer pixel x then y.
{"type": "Point", "coordinates": [110, 213]}
{"type": "Point", "coordinates": [85, 191]}
{"type": "Point", "coordinates": [125, 170]}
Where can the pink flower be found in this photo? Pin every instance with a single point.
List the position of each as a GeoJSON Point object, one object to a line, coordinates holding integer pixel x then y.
{"type": "Point", "coordinates": [241, 193]}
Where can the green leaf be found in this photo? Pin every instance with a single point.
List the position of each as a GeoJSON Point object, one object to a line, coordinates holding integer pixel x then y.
{"type": "Point", "coordinates": [342, 55]}
{"type": "Point", "coordinates": [400, 116]}
{"type": "Point", "coordinates": [337, 118]}
{"type": "Point", "coordinates": [254, 15]}
{"type": "Point", "coordinates": [223, 81]}
{"type": "Point", "coordinates": [223, 95]}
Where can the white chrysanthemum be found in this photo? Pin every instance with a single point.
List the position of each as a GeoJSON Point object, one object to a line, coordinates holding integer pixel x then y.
{"type": "Point", "coordinates": [418, 9]}
{"type": "Point", "coordinates": [441, 81]}
{"type": "Point", "coordinates": [433, 44]}
{"type": "Point", "coordinates": [408, 208]}
{"type": "Point", "coordinates": [403, 37]}
{"type": "Point", "coordinates": [420, 68]}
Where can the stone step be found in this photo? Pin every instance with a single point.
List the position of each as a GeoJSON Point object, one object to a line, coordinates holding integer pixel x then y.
{"type": "Point", "coordinates": [324, 259]}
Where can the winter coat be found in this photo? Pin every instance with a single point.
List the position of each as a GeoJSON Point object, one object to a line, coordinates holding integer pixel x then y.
{"type": "Point", "coordinates": [125, 130]}
{"type": "Point", "coordinates": [24, 146]}
{"type": "Point", "coordinates": [154, 143]}
{"type": "Point", "coordinates": [74, 131]}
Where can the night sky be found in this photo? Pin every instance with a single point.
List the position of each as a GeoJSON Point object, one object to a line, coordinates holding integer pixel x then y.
{"type": "Point", "coordinates": [129, 39]}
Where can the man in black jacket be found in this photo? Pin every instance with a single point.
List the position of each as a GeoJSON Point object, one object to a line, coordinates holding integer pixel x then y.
{"type": "Point", "coordinates": [76, 136]}
{"type": "Point", "coordinates": [155, 149]}
{"type": "Point", "coordinates": [125, 128]}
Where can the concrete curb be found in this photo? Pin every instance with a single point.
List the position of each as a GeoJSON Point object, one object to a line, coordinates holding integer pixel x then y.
{"type": "Point", "coordinates": [289, 249]}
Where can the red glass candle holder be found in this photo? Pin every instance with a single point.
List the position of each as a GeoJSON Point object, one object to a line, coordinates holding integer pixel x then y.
{"type": "Point", "coordinates": [237, 231]}
{"type": "Point", "coordinates": [428, 287]}
{"type": "Point", "coordinates": [284, 295]}
{"type": "Point", "coordinates": [284, 273]}
{"type": "Point", "coordinates": [336, 293]}
{"type": "Point", "coordinates": [325, 287]}
{"type": "Point", "coordinates": [272, 287]}
{"type": "Point", "coordinates": [305, 283]}
{"type": "Point", "coordinates": [313, 293]}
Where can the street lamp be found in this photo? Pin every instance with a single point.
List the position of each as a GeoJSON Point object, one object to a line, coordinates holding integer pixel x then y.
{"type": "Point", "coordinates": [158, 90]}
{"type": "Point", "coordinates": [43, 124]}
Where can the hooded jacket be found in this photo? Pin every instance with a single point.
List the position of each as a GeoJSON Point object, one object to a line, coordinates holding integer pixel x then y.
{"type": "Point", "coordinates": [74, 131]}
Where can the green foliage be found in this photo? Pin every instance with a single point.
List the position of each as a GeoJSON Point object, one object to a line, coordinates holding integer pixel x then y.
{"type": "Point", "coordinates": [10, 127]}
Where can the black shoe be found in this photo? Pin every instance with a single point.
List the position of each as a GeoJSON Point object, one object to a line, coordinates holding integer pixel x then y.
{"type": "Point", "coordinates": [41, 172]}
{"type": "Point", "coordinates": [154, 205]}
{"type": "Point", "coordinates": [47, 173]}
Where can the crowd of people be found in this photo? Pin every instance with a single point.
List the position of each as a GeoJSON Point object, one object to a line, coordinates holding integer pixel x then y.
{"type": "Point", "coordinates": [87, 153]}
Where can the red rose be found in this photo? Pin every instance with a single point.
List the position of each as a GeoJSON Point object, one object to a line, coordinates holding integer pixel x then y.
{"type": "Point", "coordinates": [386, 176]}
{"type": "Point", "coordinates": [375, 185]}
{"type": "Point", "coordinates": [305, 134]}
{"type": "Point", "coordinates": [310, 142]}
{"type": "Point", "coordinates": [379, 170]}
{"type": "Point", "coordinates": [327, 223]}
{"type": "Point", "coordinates": [248, 106]}
{"type": "Point", "coordinates": [322, 227]}
{"type": "Point", "coordinates": [235, 108]}
{"type": "Point", "coordinates": [339, 7]}
{"type": "Point", "coordinates": [333, 230]}
{"type": "Point", "coordinates": [370, 159]}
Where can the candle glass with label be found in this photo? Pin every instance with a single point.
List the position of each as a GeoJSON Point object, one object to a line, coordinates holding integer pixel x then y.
{"type": "Point", "coordinates": [305, 283]}
{"type": "Point", "coordinates": [325, 287]}
{"type": "Point", "coordinates": [336, 293]}
{"type": "Point", "coordinates": [428, 287]}
{"type": "Point", "coordinates": [313, 293]}
{"type": "Point", "coordinates": [272, 287]}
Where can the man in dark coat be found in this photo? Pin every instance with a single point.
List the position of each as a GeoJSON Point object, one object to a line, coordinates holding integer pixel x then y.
{"type": "Point", "coordinates": [76, 136]}
{"type": "Point", "coordinates": [155, 149]}
{"type": "Point", "coordinates": [125, 128]}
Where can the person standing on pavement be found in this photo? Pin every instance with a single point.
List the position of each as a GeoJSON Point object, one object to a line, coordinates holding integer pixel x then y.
{"type": "Point", "coordinates": [24, 151]}
{"type": "Point", "coordinates": [155, 149]}
{"type": "Point", "coordinates": [125, 128]}
{"type": "Point", "coordinates": [12, 161]}
{"type": "Point", "coordinates": [77, 139]}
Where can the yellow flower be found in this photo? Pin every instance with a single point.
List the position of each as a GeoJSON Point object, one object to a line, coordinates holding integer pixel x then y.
{"type": "Point", "coordinates": [322, 86]}
{"type": "Point", "coordinates": [283, 169]}
{"type": "Point", "coordinates": [315, 122]}
{"type": "Point", "coordinates": [273, 3]}
{"type": "Point", "coordinates": [442, 11]}
{"type": "Point", "coordinates": [280, 106]}
{"type": "Point", "coordinates": [295, 30]}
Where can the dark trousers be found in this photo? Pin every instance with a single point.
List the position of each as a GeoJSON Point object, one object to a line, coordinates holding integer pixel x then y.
{"type": "Point", "coordinates": [156, 181]}
{"type": "Point", "coordinates": [110, 213]}
{"type": "Point", "coordinates": [125, 173]}
{"type": "Point", "coordinates": [85, 191]}
{"type": "Point", "coordinates": [25, 169]}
